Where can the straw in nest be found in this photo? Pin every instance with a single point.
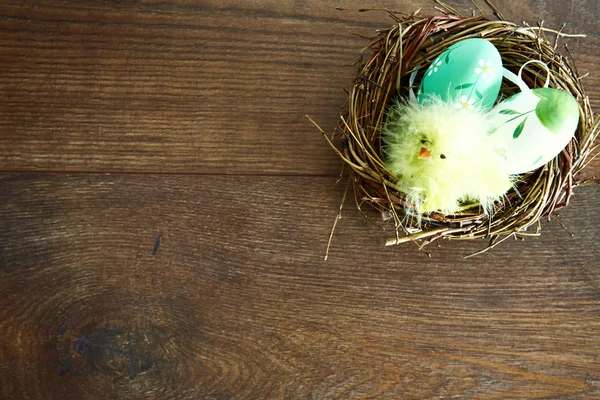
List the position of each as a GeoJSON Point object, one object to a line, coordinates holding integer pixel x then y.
{"type": "Point", "coordinates": [410, 45]}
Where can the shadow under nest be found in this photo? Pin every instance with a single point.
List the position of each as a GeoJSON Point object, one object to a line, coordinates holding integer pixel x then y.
{"type": "Point", "coordinates": [393, 63]}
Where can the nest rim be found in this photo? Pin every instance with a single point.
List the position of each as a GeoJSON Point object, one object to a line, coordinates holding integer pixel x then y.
{"type": "Point", "coordinates": [410, 46]}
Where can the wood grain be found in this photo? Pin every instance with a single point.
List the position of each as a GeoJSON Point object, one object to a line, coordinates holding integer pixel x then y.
{"type": "Point", "coordinates": [199, 87]}
{"type": "Point", "coordinates": [236, 302]}
{"type": "Point", "coordinates": [165, 209]}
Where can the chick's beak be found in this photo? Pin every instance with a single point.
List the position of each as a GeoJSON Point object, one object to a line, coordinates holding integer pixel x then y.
{"type": "Point", "coordinates": [424, 154]}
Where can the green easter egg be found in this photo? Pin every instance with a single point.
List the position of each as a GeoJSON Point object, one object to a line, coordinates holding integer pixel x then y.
{"type": "Point", "coordinates": [467, 74]}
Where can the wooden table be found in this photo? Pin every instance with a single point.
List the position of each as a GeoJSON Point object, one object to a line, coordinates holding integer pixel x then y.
{"type": "Point", "coordinates": [165, 209]}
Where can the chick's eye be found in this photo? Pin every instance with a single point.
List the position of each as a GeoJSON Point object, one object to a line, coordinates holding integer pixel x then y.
{"type": "Point", "coordinates": [423, 141]}
{"type": "Point", "coordinates": [442, 156]}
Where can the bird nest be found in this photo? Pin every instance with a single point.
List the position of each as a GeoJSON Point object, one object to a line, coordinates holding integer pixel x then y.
{"type": "Point", "coordinates": [394, 62]}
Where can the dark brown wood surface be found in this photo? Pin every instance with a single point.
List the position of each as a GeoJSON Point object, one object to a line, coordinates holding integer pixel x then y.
{"type": "Point", "coordinates": [165, 209]}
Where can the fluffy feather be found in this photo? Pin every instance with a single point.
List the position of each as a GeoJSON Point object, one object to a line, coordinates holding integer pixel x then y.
{"type": "Point", "coordinates": [461, 167]}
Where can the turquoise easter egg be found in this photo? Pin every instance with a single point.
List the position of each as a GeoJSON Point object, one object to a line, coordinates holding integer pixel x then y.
{"type": "Point", "coordinates": [467, 74]}
{"type": "Point", "coordinates": [532, 127]}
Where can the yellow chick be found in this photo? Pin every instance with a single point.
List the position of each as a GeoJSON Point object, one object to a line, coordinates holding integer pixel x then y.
{"type": "Point", "coordinates": [441, 157]}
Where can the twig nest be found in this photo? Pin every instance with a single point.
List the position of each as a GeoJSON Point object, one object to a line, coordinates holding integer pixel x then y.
{"type": "Point", "coordinates": [392, 69]}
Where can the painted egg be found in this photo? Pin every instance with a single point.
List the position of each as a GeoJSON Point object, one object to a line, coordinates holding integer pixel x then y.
{"type": "Point", "coordinates": [533, 127]}
{"type": "Point", "coordinates": [468, 73]}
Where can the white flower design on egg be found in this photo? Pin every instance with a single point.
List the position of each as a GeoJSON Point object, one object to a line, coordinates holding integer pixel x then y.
{"type": "Point", "coordinates": [484, 68]}
{"type": "Point", "coordinates": [434, 67]}
{"type": "Point", "coordinates": [465, 102]}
